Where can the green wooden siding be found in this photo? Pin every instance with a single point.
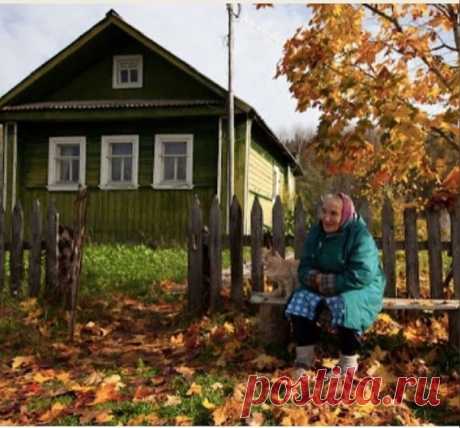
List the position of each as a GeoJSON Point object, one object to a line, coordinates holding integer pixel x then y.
{"type": "Point", "coordinates": [124, 215]}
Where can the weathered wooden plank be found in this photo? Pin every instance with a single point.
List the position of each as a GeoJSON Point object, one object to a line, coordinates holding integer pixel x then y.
{"type": "Point", "coordinates": [195, 259]}
{"type": "Point", "coordinates": [454, 318]}
{"type": "Point", "coordinates": [411, 248]}
{"type": "Point", "coordinates": [16, 257]}
{"type": "Point", "coordinates": [388, 303]}
{"type": "Point", "coordinates": [278, 227]}
{"type": "Point", "coordinates": [2, 246]}
{"type": "Point", "coordinates": [215, 255]}
{"type": "Point", "coordinates": [236, 251]}
{"type": "Point", "coordinates": [299, 228]}
{"type": "Point", "coordinates": [434, 253]}
{"type": "Point", "coordinates": [52, 231]}
{"type": "Point", "coordinates": [389, 248]}
{"type": "Point", "coordinates": [256, 245]}
{"type": "Point", "coordinates": [36, 250]}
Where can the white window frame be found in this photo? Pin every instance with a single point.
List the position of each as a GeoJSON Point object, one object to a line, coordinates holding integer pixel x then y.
{"type": "Point", "coordinates": [53, 184]}
{"type": "Point", "coordinates": [105, 182]}
{"type": "Point", "coordinates": [158, 166]}
{"type": "Point", "coordinates": [116, 81]}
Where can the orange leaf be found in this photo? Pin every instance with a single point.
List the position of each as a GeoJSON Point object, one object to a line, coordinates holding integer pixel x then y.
{"type": "Point", "coordinates": [106, 392]}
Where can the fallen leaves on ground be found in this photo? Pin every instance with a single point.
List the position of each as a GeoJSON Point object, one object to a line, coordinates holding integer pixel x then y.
{"type": "Point", "coordinates": [134, 363]}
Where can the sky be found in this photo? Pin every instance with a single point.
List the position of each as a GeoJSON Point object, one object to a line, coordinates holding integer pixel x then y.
{"type": "Point", "coordinates": [31, 34]}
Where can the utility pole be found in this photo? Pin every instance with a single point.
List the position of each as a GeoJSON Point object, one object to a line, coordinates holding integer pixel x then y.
{"type": "Point", "coordinates": [231, 113]}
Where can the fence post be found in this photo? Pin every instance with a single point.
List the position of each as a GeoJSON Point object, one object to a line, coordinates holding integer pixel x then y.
{"type": "Point", "coordinates": [411, 248]}
{"type": "Point", "coordinates": [35, 250]}
{"type": "Point", "coordinates": [434, 252]}
{"type": "Point", "coordinates": [2, 245]}
{"type": "Point", "coordinates": [195, 259]}
{"type": "Point", "coordinates": [236, 251]}
{"type": "Point", "coordinates": [454, 317]}
{"type": "Point", "coordinates": [257, 236]}
{"type": "Point", "coordinates": [299, 228]}
{"type": "Point", "coordinates": [52, 232]}
{"type": "Point", "coordinates": [215, 254]}
{"type": "Point", "coordinates": [16, 254]}
{"type": "Point", "coordinates": [278, 227]}
{"type": "Point", "coordinates": [389, 248]}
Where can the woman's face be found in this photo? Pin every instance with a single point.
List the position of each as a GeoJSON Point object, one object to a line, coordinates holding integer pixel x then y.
{"type": "Point", "coordinates": [331, 214]}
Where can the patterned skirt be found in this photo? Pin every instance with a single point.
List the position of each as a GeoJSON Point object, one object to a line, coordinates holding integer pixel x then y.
{"type": "Point", "coordinates": [304, 303]}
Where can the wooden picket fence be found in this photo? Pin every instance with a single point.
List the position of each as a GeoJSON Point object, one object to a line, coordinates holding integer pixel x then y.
{"type": "Point", "coordinates": [17, 245]}
{"type": "Point", "coordinates": [205, 247]}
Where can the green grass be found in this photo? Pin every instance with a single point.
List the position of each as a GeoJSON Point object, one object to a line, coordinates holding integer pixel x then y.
{"type": "Point", "coordinates": [132, 269]}
{"type": "Point", "coordinates": [192, 405]}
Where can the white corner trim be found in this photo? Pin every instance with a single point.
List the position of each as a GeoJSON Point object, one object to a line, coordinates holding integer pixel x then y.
{"type": "Point", "coordinates": [276, 182]}
{"type": "Point", "coordinates": [104, 182]}
{"type": "Point", "coordinates": [53, 142]}
{"type": "Point", "coordinates": [15, 166]}
{"type": "Point", "coordinates": [219, 160]}
{"type": "Point", "coordinates": [116, 84]}
{"type": "Point", "coordinates": [246, 207]}
{"type": "Point", "coordinates": [158, 167]}
{"type": "Point", "coordinates": [5, 164]}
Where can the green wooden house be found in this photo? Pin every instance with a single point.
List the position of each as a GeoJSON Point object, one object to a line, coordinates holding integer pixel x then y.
{"type": "Point", "coordinates": [143, 130]}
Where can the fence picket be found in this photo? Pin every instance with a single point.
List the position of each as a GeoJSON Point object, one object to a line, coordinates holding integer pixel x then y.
{"type": "Point", "coordinates": [389, 248]}
{"type": "Point", "coordinates": [256, 245]}
{"type": "Point", "coordinates": [454, 317]}
{"type": "Point", "coordinates": [215, 254]}
{"type": "Point", "coordinates": [195, 259]}
{"type": "Point", "coordinates": [16, 256]}
{"type": "Point", "coordinates": [299, 228]}
{"type": "Point", "coordinates": [52, 238]}
{"type": "Point", "coordinates": [411, 247]}
{"type": "Point", "coordinates": [236, 251]}
{"type": "Point", "coordinates": [35, 250]}
{"type": "Point", "coordinates": [278, 227]}
{"type": "Point", "coordinates": [434, 253]}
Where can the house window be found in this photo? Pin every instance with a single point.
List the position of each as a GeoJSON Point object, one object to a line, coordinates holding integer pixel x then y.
{"type": "Point", "coordinates": [127, 71]}
{"type": "Point", "coordinates": [173, 164]}
{"type": "Point", "coordinates": [66, 163]}
{"type": "Point", "coordinates": [119, 161]}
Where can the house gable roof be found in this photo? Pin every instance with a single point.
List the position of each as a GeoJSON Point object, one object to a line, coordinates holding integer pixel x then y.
{"type": "Point", "coordinates": [113, 19]}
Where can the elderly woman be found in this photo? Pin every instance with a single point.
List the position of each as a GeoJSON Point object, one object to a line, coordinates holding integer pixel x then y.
{"type": "Point", "coordinates": [340, 275]}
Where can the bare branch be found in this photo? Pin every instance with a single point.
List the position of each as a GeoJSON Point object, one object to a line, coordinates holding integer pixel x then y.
{"type": "Point", "coordinates": [450, 140]}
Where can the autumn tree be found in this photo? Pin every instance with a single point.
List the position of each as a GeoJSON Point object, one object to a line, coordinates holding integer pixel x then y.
{"type": "Point", "coordinates": [385, 67]}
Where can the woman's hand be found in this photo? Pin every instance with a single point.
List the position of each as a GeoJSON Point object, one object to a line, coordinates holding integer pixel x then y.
{"type": "Point", "coordinates": [314, 280]}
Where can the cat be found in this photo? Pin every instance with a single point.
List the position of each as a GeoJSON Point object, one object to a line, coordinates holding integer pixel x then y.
{"type": "Point", "coordinates": [281, 271]}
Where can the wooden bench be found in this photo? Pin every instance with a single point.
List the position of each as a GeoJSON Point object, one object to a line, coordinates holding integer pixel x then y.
{"type": "Point", "coordinates": [388, 303]}
{"type": "Point", "coordinates": [271, 309]}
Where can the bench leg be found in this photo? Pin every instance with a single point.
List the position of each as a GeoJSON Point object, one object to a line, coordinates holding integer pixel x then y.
{"type": "Point", "coordinates": [272, 328]}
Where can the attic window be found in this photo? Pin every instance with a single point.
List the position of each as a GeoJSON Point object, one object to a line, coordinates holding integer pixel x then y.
{"type": "Point", "coordinates": [127, 71]}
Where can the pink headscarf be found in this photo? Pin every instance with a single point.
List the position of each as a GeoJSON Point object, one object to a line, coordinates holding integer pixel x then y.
{"type": "Point", "coordinates": [348, 208]}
